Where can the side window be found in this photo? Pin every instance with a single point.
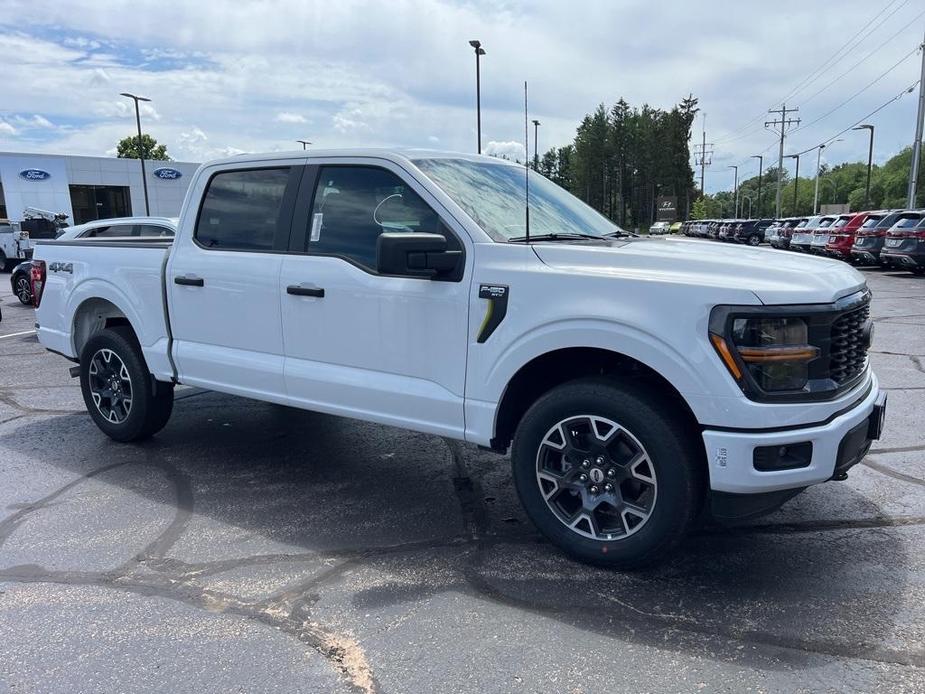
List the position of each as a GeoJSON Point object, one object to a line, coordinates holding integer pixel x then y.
{"type": "Point", "coordinates": [153, 230]}
{"type": "Point", "coordinates": [354, 204]}
{"type": "Point", "coordinates": [97, 232]}
{"type": "Point", "coordinates": [241, 209]}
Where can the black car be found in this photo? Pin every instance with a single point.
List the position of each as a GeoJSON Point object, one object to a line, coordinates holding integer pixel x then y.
{"type": "Point", "coordinates": [21, 282]}
{"type": "Point", "coordinates": [750, 231]}
{"type": "Point", "coordinates": [868, 241]}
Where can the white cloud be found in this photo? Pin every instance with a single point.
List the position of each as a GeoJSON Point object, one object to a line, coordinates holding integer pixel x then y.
{"type": "Point", "coordinates": [506, 150]}
{"type": "Point", "coordinates": [287, 117]}
{"type": "Point", "coordinates": [35, 121]}
{"type": "Point", "coordinates": [6, 128]}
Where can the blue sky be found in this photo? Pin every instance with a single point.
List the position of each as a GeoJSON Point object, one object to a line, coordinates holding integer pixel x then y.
{"type": "Point", "coordinates": [256, 76]}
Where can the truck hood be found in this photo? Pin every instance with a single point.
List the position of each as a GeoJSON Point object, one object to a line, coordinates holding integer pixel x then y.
{"type": "Point", "coordinates": [775, 277]}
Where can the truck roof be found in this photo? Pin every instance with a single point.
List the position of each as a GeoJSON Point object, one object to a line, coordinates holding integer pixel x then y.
{"type": "Point", "coordinates": [392, 154]}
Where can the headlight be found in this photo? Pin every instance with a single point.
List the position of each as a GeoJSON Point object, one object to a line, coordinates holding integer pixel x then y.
{"type": "Point", "coordinates": [770, 353]}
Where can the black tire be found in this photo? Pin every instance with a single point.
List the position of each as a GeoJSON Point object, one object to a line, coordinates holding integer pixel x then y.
{"type": "Point", "coordinates": [668, 443]}
{"type": "Point", "coordinates": [22, 288]}
{"type": "Point", "coordinates": [754, 240]}
{"type": "Point", "coordinates": [150, 402]}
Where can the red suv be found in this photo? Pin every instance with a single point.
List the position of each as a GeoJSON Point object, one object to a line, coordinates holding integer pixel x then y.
{"type": "Point", "coordinates": [904, 245]}
{"type": "Point", "coordinates": [842, 239]}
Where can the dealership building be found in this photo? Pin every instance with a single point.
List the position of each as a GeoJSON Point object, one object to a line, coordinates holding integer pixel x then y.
{"type": "Point", "coordinates": [89, 188]}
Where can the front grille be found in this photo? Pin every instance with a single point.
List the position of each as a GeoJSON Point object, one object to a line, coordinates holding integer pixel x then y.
{"type": "Point", "coordinates": [848, 346]}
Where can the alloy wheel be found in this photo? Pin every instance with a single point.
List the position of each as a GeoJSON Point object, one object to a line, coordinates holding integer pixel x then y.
{"type": "Point", "coordinates": [23, 290]}
{"type": "Point", "coordinates": [110, 386]}
{"type": "Point", "coordinates": [596, 477]}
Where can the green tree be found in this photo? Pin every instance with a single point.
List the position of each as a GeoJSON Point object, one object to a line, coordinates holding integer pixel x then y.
{"type": "Point", "coordinates": [128, 148]}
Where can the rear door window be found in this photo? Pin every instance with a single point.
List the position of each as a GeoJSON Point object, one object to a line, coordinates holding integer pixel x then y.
{"type": "Point", "coordinates": [153, 230]}
{"type": "Point", "coordinates": [243, 210]}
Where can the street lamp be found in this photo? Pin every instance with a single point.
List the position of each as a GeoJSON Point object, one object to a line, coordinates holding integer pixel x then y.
{"type": "Point", "coordinates": [735, 190]}
{"type": "Point", "coordinates": [305, 143]}
{"type": "Point", "coordinates": [870, 161]}
{"type": "Point", "coordinates": [818, 158]}
{"type": "Point", "coordinates": [749, 198]}
{"type": "Point", "coordinates": [536, 151]}
{"type": "Point", "coordinates": [796, 180]}
{"type": "Point", "coordinates": [141, 151]}
{"type": "Point", "coordinates": [760, 169]}
{"type": "Point", "coordinates": [479, 51]}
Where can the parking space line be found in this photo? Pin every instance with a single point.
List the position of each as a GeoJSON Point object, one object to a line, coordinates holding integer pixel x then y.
{"type": "Point", "coordinates": [25, 332]}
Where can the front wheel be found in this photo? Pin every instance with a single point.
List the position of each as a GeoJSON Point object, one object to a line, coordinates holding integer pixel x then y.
{"type": "Point", "coordinates": [608, 472]}
{"type": "Point", "coordinates": [753, 240]}
{"type": "Point", "coordinates": [123, 400]}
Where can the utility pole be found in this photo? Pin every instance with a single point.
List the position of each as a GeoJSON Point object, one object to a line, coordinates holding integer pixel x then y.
{"type": "Point", "coordinates": [917, 145]}
{"type": "Point", "coordinates": [704, 157]}
{"type": "Point", "coordinates": [783, 123]}
{"type": "Point", "coordinates": [760, 159]}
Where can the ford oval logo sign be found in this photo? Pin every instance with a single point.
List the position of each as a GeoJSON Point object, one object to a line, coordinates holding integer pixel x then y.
{"type": "Point", "coordinates": [167, 174]}
{"type": "Point", "coordinates": [34, 175]}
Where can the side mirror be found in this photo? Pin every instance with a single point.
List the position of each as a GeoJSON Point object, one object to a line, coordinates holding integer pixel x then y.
{"type": "Point", "coordinates": [414, 255]}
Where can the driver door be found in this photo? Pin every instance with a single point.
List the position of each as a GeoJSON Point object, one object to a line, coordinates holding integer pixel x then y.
{"type": "Point", "coordinates": [382, 348]}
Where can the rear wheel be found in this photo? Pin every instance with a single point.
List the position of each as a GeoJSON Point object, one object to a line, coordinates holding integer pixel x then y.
{"type": "Point", "coordinates": [753, 240]}
{"type": "Point", "coordinates": [607, 472]}
{"type": "Point", "coordinates": [23, 290]}
{"type": "Point", "coordinates": [123, 400]}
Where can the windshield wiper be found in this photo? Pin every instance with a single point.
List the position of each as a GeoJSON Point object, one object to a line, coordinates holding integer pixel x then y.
{"type": "Point", "coordinates": [565, 236]}
{"type": "Point", "coordinates": [620, 234]}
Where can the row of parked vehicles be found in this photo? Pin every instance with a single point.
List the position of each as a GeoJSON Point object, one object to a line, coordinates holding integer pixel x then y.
{"type": "Point", "coordinates": [889, 238]}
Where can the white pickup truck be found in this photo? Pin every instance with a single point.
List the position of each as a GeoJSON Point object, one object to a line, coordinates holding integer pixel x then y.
{"type": "Point", "coordinates": [635, 380]}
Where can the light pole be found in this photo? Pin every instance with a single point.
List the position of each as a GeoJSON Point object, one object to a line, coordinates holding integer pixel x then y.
{"type": "Point", "coordinates": [796, 181]}
{"type": "Point", "coordinates": [749, 198]}
{"type": "Point", "coordinates": [305, 143]}
{"type": "Point", "coordinates": [141, 151]}
{"type": "Point", "coordinates": [735, 191]}
{"type": "Point", "coordinates": [870, 161]}
{"type": "Point", "coordinates": [818, 158]}
{"type": "Point", "coordinates": [536, 151]}
{"type": "Point", "coordinates": [479, 51]}
{"type": "Point", "coordinates": [760, 159]}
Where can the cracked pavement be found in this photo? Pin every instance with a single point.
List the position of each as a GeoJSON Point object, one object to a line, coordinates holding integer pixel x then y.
{"type": "Point", "coordinates": [254, 548]}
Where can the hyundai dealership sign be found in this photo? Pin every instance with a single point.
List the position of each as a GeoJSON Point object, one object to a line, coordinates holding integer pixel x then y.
{"type": "Point", "coordinates": [34, 175]}
{"type": "Point", "coordinates": [167, 173]}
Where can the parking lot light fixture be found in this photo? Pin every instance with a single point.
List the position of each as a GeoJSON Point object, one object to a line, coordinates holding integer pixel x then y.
{"type": "Point", "coordinates": [305, 143]}
{"type": "Point", "coordinates": [870, 160]}
{"type": "Point", "coordinates": [796, 181]}
{"type": "Point", "coordinates": [760, 159]}
{"type": "Point", "coordinates": [479, 52]}
{"type": "Point", "coordinates": [818, 164]}
{"type": "Point", "coordinates": [141, 152]}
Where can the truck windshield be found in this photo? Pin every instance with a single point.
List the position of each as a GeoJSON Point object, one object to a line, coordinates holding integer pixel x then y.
{"type": "Point", "coordinates": [494, 194]}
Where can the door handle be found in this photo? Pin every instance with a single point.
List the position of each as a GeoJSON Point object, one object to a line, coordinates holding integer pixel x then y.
{"type": "Point", "coordinates": [189, 281]}
{"type": "Point", "coordinates": [299, 290]}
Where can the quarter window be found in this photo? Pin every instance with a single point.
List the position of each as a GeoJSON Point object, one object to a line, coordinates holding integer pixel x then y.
{"type": "Point", "coordinates": [353, 205]}
{"type": "Point", "coordinates": [241, 209]}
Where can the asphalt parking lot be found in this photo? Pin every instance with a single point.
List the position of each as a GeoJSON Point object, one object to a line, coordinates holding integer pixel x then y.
{"type": "Point", "coordinates": [251, 548]}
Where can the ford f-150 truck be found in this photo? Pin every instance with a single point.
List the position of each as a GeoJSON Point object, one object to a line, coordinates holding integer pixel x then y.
{"type": "Point", "coordinates": [634, 380]}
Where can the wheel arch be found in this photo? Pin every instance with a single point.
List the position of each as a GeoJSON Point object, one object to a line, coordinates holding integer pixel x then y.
{"type": "Point", "coordinates": [553, 368]}
{"type": "Point", "coordinates": [95, 314]}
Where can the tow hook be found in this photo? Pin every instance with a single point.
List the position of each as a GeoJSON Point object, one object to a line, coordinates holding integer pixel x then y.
{"type": "Point", "coordinates": [839, 476]}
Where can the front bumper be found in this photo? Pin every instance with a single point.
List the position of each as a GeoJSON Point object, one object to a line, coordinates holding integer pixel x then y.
{"type": "Point", "coordinates": [730, 454]}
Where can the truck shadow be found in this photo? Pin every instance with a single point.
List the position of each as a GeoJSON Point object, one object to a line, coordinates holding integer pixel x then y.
{"type": "Point", "coordinates": [255, 481]}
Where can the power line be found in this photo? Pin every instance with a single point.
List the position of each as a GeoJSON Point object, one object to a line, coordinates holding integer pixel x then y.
{"type": "Point", "coordinates": [860, 91]}
{"type": "Point", "coordinates": [847, 46]}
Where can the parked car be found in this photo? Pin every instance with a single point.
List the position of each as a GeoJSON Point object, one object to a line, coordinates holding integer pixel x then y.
{"type": "Point", "coordinates": [147, 227]}
{"type": "Point", "coordinates": [659, 228]}
{"type": "Point", "coordinates": [868, 241]}
{"type": "Point", "coordinates": [414, 300]}
{"type": "Point", "coordinates": [675, 228]}
{"type": "Point", "coordinates": [802, 238]}
{"type": "Point", "coordinates": [824, 230]}
{"type": "Point", "coordinates": [751, 231]}
{"type": "Point", "coordinates": [784, 230]}
{"type": "Point", "coordinates": [842, 239]}
{"type": "Point", "coordinates": [904, 244]}
{"type": "Point", "coordinates": [21, 282]}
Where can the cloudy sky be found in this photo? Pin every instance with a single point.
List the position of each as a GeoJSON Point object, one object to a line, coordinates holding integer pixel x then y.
{"type": "Point", "coordinates": [226, 77]}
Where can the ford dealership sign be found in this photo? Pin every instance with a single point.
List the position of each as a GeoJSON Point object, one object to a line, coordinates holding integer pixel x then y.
{"type": "Point", "coordinates": [166, 173]}
{"type": "Point", "coordinates": [34, 175]}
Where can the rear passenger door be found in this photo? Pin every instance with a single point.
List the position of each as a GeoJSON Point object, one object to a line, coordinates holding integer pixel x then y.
{"type": "Point", "coordinates": [223, 279]}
